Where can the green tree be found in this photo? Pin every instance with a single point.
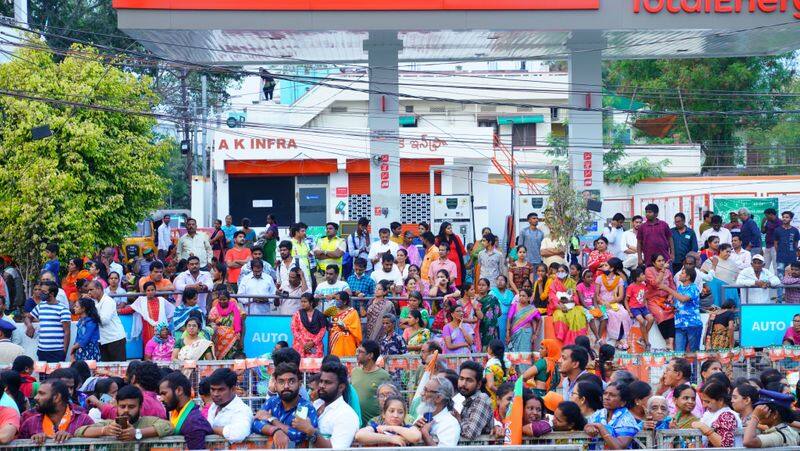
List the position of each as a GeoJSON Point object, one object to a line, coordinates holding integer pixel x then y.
{"type": "Point", "coordinates": [776, 150]}
{"type": "Point", "coordinates": [87, 184]}
{"type": "Point", "coordinates": [566, 215]}
{"type": "Point", "coordinates": [714, 84]}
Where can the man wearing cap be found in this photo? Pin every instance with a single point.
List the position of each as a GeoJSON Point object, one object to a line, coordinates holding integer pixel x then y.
{"type": "Point", "coordinates": [758, 277]}
{"type": "Point", "coordinates": [8, 350]}
{"type": "Point", "coordinates": [774, 410]}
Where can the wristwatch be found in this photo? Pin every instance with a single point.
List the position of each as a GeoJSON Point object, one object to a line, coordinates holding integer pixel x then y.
{"type": "Point", "coordinates": [138, 434]}
{"type": "Point", "coordinates": [271, 419]}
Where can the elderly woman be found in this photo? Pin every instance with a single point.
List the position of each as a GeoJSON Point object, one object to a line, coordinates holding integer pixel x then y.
{"type": "Point", "coordinates": [658, 414]}
{"type": "Point", "coordinates": [160, 347]}
{"type": "Point", "coordinates": [614, 426]}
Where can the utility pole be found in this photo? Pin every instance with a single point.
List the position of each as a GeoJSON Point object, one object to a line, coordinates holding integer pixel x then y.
{"type": "Point", "coordinates": [186, 143]}
{"type": "Point", "coordinates": [209, 193]}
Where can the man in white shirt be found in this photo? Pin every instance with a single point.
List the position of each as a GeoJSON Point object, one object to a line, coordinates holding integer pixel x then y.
{"type": "Point", "coordinates": [194, 278]}
{"type": "Point", "coordinates": [443, 430]}
{"type": "Point", "coordinates": [740, 255]}
{"type": "Point", "coordinates": [715, 230]}
{"type": "Point", "coordinates": [112, 334]}
{"type": "Point", "coordinates": [247, 269]}
{"type": "Point", "coordinates": [382, 246]}
{"type": "Point", "coordinates": [284, 264]}
{"type": "Point", "coordinates": [257, 283]}
{"type": "Point", "coordinates": [615, 236]}
{"type": "Point", "coordinates": [387, 271]}
{"type": "Point", "coordinates": [338, 422]}
{"type": "Point", "coordinates": [758, 277]}
{"type": "Point", "coordinates": [164, 237]}
{"type": "Point", "coordinates": [195, 243]}
{"type": "Point", "coordinates": [296, 287]}
{"type": "Point", "coordinates": [630, 244]}
{"type": "Point", "coordinates": [330, 287]}
{"type": "Point", "coordinates": [228, 416]}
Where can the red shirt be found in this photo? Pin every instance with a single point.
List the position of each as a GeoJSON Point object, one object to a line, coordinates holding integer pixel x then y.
{"type": "Point", "coordinates": [655, 238]}
{"type": "Point", "coordinates": [635, 295]}
{"type": "Point", "coordinates": [236, 254]}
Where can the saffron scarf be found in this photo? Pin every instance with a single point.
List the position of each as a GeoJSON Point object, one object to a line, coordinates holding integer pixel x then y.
{"type": "Point", "coordinates": [232, 308]}
{"type": "Point", "coordinates": [49, 428]}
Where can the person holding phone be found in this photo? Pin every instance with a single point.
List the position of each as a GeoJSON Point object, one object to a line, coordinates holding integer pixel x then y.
{"type": "Point", "coordinates": [276, 417]}
{"type": "Point", "coordinates": [129, 425]}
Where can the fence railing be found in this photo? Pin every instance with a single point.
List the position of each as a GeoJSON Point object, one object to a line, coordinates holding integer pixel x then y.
{"type": "Point", "coordinates": [561, 441]}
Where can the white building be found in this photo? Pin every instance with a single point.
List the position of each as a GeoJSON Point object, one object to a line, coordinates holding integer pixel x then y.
{"type": "Point", "coordinates": [309, 161]}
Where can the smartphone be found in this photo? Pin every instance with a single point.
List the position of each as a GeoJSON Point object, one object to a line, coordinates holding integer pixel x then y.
{"type": "Point", "coordinates": [301, 412]}
{"type": "Point", "coordinates": [122, 422]}
{"type": "Point", "coordinates": [428, 417]}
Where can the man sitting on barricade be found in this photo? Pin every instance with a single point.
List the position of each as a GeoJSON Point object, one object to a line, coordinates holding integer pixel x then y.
{"type": "Point", "coordinates": [438, 425]}
{"type": "Point", "coordinates": [130, 424]}
{"type": "Point", "coordinates": [477, 416]}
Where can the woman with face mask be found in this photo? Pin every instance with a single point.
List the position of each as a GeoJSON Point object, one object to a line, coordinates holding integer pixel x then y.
{"type": "Point", "coordinates": [569, 316]}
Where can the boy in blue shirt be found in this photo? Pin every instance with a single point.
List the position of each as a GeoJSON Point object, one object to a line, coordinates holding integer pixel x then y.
{"type": "Point", "coordinates": [688, 326]}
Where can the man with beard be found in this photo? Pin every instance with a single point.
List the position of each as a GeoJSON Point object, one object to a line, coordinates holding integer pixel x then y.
{"type": "Point", "coordinates": [229, 416]}
{"type": "Point", "coordinates": [137, 427]}
{"type": "Point", "coordinates": [338, 422]}
{"type": "Point", "coordinates": [185, 417]}
{"type": "Point", "coordinates": [53, 418]}
{"type": "Point", "coordinates": [438, 425]}
{"type": "Point", "coordinates": [477, 415]}
{"type": "Point", "coordinates": [144, 376]}
{"type": "Point", "coordinates": [276, 416]}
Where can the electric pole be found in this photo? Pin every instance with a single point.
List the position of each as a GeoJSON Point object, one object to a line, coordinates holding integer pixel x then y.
{"type": "Point", "coordinates": [186, 146]}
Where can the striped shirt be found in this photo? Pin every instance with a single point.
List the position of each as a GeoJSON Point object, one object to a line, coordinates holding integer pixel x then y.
{"type": "Point", "coordinates": [51, 331]}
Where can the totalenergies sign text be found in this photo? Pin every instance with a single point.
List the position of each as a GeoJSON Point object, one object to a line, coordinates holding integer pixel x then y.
{"type": "Point", "coordinates": [718, 6]}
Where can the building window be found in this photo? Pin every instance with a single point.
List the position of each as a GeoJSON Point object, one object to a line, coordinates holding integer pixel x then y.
{"type": "Point", "coordinates": [409, 108]}
{"type": "Point", "coordinates": [523, 135]}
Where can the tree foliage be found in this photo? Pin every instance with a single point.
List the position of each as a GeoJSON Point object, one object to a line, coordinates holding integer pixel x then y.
{"type": "Point", "coordinates": [87, 184]}
{"type": "Point", "coordinates": [714, 84]}
{"type": "Point", "coordinates": [567, 215]}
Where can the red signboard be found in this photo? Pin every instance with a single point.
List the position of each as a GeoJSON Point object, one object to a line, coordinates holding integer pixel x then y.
{"type": "Point", "coordinates": [359, 5]}
{"type": "Point", "coordinates": [341, 191]}
{"type": "Point", "coordinates": [587, 169]}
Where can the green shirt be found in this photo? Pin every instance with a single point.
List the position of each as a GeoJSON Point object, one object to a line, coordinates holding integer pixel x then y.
{"type": "Point", "coordinates": [269, 248]}
{"type": "Point", "coordinates": [366, 385]}
{"type": "Point", "coordinates": [163, 427]}
{"type": "Point", "coordinates": [406, 311]}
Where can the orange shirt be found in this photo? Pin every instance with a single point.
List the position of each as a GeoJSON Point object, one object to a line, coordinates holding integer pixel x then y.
{"type": "Point", "coordinates": [162, 285]}
{"type": "Point", "coordinates": [236, 254]}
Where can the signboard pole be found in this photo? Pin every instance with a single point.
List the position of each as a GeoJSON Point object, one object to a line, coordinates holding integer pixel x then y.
{"type": "Point", "coordinates": [383, 121]}
{"type": "Point", "coordinates": [585, 145]}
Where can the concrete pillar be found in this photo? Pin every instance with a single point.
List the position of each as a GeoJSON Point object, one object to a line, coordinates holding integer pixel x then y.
{"type": "Point", "coordinates": [585, 136]}
{"type": "Point", "coordinates": [382, 48]}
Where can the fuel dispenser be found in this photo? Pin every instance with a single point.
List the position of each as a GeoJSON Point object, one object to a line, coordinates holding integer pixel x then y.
{"type": "Point", "coordinates": [457, 209]}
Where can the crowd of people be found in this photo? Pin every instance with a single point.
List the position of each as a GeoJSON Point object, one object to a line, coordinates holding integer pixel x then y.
{"type": "Point", "coordinates": [336, 408]}
{"type": "Point", "coordinates": [411, 293]}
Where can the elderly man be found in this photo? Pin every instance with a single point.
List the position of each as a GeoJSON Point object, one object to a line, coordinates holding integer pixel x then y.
{"type": "Point", "coordinates": [678, 372]}
{"type": "Point", "coordinates": [751, 233]}
{"type": "Point", "coordinates": [758, 277]}
{"type": "Point", "coordinates": [438, 425]}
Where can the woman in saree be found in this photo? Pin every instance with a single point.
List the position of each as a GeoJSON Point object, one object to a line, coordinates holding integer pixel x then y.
{"type": "Point", "coordinates": [659, 301]}
{"type": "Point", "coordinates": [544, 376]}
{"type": "Point", "coordinates": [569, 316]}
{"type": "Point", "coordinates": [473, 314]}
{"type": "Point", "coordinates": [148, 310]}
{"type": "Point", "coordinates": [345, 334]}
{"type": "Point", "coordinates": [520, 270]}
{"type": "Point", "coordinates": [75, 272]}
{"type": "Point", "coordinates": [599, 255]}
{"type": "Point", "coordinates": [417, 333]}
{"type": "Point", "coordinates": [308, 328]}
{"type": "Point", "coordinates": [193, 344]}
{"type": "Point", "coordinates": [490, 307]}
{"type": "Point", "coordinates": [226, 319]}
{"type": "Point", "coordinates": [523, 324]}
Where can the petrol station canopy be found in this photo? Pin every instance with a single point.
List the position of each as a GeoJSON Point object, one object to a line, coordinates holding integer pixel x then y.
{"type": "Point", "coordinates": [301, 31]}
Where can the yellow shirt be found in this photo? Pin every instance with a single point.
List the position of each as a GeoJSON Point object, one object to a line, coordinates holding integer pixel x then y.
{"type": "Point", "coordinates": [431, 256]}
{"type": "Point", "coordinates": [397, 239]}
